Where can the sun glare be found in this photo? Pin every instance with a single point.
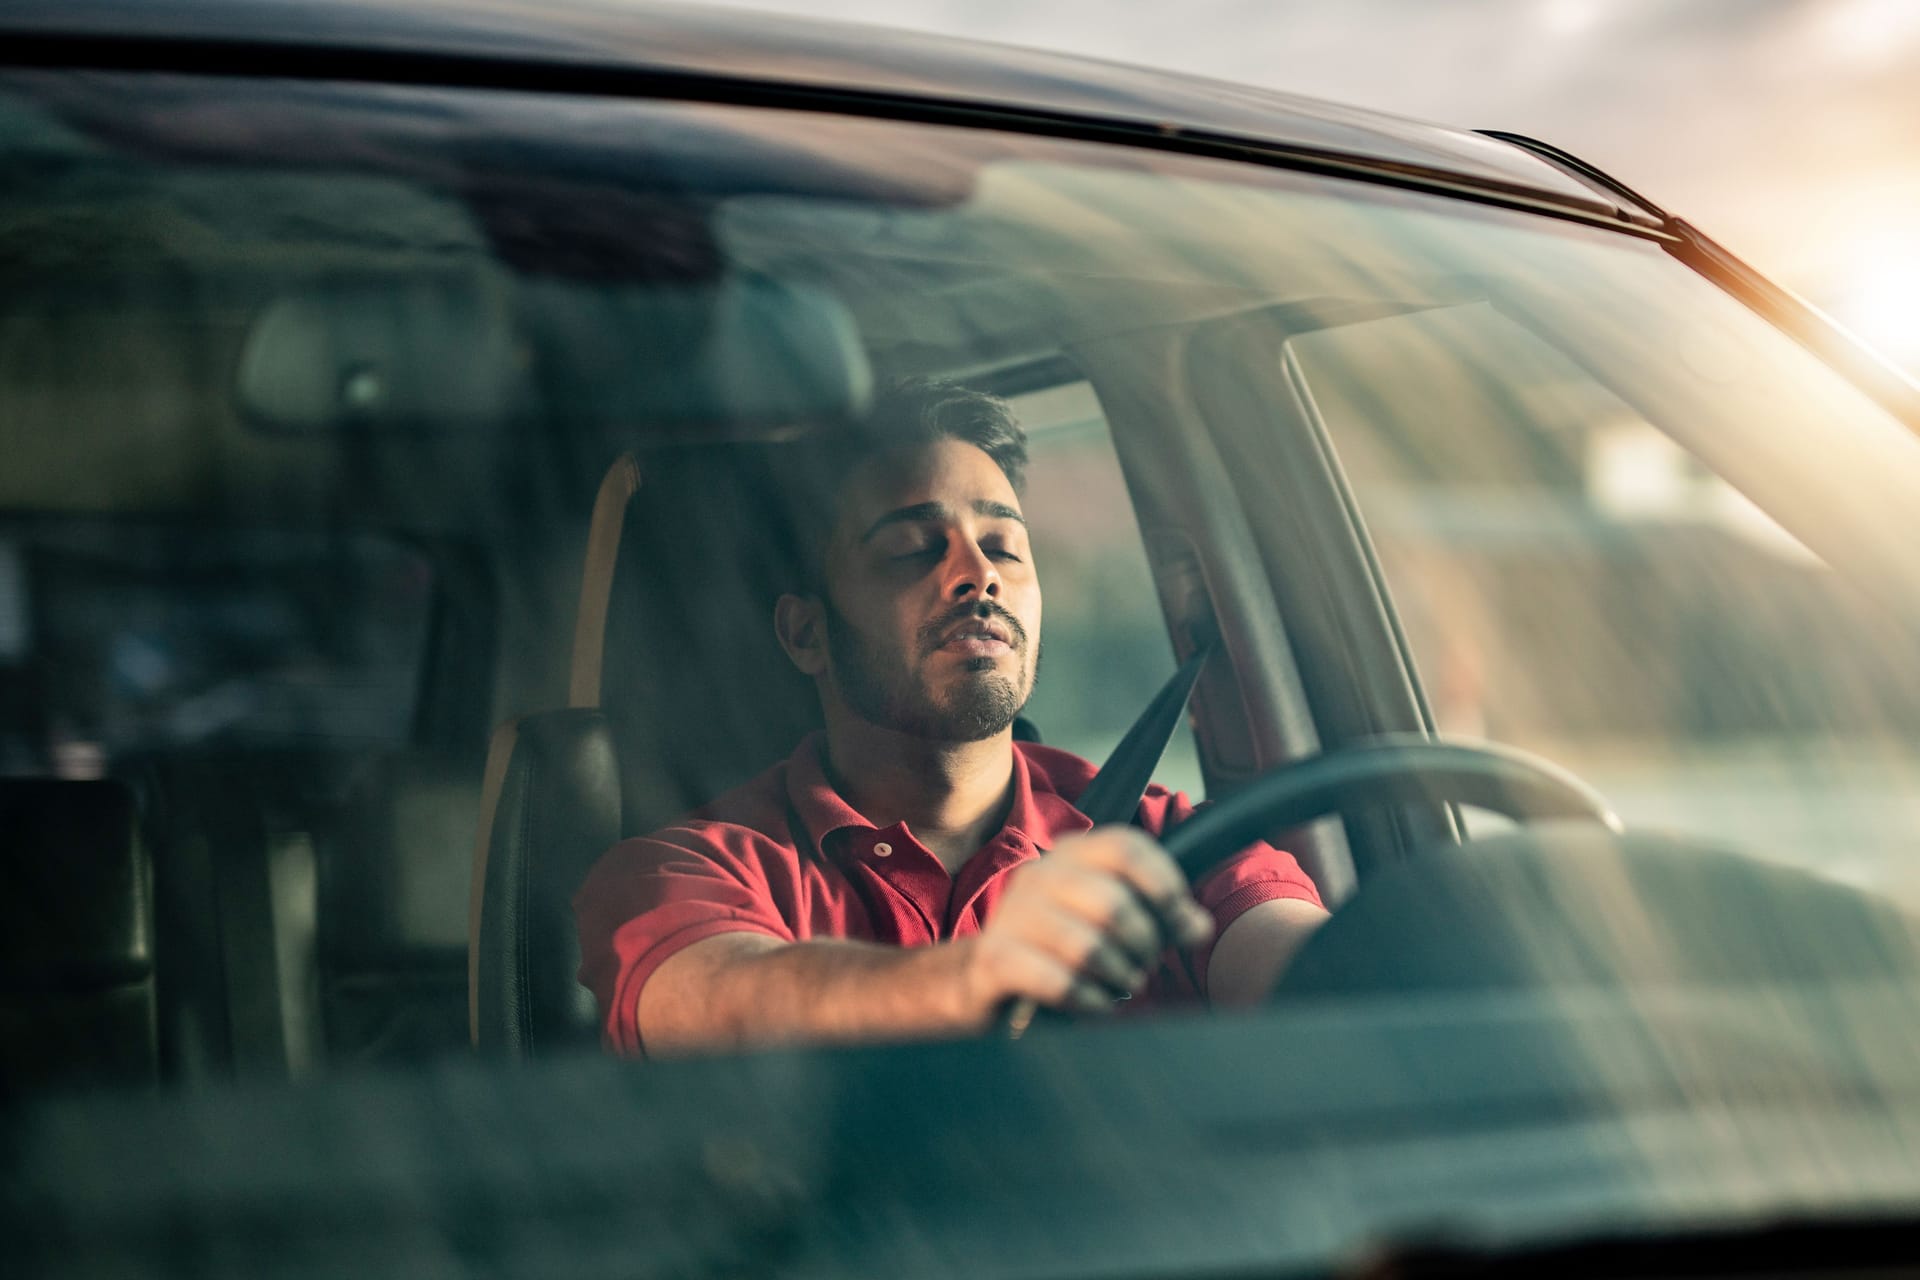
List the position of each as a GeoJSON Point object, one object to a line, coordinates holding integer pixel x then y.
{"type": "Point", "coordinates": [1569, 17]}
{"type": "Point", "coordinates": [1868, 31]}
{"type": "Point", "coordinates": [1880, 303]}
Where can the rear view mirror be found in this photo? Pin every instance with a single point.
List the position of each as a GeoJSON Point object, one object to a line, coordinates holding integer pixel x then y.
{"type": "Point", "coordinates": [389, 354]}
{"type": "Point", "coordinates": [742, 356]}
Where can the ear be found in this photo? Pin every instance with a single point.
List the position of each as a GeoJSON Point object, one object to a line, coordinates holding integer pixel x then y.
{"type": "Point", "coordinates": [801, 626]}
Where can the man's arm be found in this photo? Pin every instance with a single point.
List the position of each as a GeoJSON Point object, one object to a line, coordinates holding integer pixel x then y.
{"type": "Point", "coordinates": [736, 989]}
{"type": "Point", "coordinates": [1074, 929]}
{"type": "Point", "coordinates": [1256, 948]}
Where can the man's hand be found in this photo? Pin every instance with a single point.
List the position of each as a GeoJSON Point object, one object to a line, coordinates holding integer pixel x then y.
{"type": "Point", "coordinates": [1083, 925]}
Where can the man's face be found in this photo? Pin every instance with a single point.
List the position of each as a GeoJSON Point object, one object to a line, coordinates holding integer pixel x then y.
{"type": "Point", "coordinates": [933, 608]}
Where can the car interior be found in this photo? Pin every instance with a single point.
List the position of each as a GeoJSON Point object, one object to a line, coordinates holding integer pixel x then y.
{"type": "Point", "coordinates": [304, 440]}
{"type": "Point", "coordinates": [275, 570]}
{"type": "Point", "coordinates": [395, 497]}
{"type": "Point", "coordinates": [300, 898]}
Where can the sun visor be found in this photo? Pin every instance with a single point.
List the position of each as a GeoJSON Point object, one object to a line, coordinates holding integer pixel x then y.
{"type": "Point", "coordinates": [742, 356]}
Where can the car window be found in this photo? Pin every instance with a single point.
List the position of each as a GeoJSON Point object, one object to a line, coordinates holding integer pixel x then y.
{"type": "Point", "coordinates": [307, 390]}
{"type": "Point", "coordinates": [1107, 647]}
{"type": "Point", "coordinates": [356, 437]}
{"type": "Point", "coordinates": [1572, 580]}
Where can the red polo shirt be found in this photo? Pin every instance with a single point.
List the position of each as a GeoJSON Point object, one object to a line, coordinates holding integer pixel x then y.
{"type": "Point", "coordinates": [785, 856]}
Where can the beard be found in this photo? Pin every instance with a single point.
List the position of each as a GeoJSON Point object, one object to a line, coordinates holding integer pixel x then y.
{"type": "Point", "coordinates": [883, 688]}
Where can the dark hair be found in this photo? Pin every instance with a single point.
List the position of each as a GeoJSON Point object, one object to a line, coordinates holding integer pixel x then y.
{"type": "Point", "coordinates": [913, 412]}
{"type": "Point", "coordinates": [908, 413]}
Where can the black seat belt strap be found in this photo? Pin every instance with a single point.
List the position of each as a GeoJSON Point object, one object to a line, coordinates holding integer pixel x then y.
{"type": "Point", "coordinates": [1115, 793]}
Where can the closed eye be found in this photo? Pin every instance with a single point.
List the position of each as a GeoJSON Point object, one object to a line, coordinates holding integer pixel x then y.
{"type": "Point", "coordinates": [997, 545]}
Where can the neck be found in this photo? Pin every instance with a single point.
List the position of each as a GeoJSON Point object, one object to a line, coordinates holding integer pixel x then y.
{"type": "Point", "coordinates": [951, 795]}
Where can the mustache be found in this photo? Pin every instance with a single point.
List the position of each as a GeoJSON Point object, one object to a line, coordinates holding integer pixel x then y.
{"type": "Point", "coordinates": [933, 632]}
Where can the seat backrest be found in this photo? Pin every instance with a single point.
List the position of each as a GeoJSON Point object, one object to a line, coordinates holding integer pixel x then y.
{"type": "Point", "coordinates": [684, 560]}
{"type": "Point", "coordinates": [550, 806]}
{"type": "Point", "coordinates": [393, 869]}
{"type": "Point", "coordinates": [77, 987]}
{"type": "Point", "coordinates": [682, 659]}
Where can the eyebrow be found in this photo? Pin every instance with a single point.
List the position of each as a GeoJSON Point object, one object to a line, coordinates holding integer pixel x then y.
{"type": "Point", "coordinates": [926, 512]}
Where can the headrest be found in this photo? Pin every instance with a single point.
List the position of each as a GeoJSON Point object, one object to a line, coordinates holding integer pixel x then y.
{"type": "Point", "coordinates": [674, 638]}
{"type": "Point", "coordinates": [78, 908]}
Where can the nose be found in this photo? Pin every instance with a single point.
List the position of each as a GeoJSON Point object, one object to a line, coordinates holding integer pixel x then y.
{"type": "Point", "coordinates": [971, 574]}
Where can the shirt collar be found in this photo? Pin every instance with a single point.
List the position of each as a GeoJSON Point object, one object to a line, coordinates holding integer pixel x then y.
{"type": "Point", "coordinates": [818, 806]}
{"type": "Point", "coordinates": [1038, 812]}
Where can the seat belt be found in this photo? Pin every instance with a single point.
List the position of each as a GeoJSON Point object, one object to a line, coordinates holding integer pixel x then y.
{"type": "Point", "coordinates": [1121, 783]}
{"type": "Point", "coordinates": [1115, 793]}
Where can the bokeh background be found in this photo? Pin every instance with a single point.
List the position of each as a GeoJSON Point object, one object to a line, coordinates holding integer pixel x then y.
{"type": "Point", "coordinates": [1787, 129]}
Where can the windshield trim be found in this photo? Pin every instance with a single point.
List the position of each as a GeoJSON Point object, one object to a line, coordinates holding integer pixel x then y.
{"type": "Point", "coordinates": [263, 59]}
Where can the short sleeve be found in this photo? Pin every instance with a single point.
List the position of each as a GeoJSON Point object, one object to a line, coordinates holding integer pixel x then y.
{"type": "Point", "coordinates": [1258, 873]}
{"type": "Point", "coordinates": [648, 898]}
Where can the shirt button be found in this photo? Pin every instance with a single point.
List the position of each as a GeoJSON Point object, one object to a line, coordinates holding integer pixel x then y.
{"type": "Point", "coordinates": [883, 849]}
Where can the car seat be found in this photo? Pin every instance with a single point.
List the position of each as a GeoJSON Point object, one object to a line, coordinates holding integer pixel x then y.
{"type": "Point", "coordinates": [77, 984]}
{"type": "Point", "coordinates": [677, 691]}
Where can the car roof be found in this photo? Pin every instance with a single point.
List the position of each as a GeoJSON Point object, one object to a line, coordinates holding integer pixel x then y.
{"type": "Point", "coordinates": [703, 50]}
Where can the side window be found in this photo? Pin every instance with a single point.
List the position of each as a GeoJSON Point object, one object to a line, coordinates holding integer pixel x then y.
{"type": "Point", "coordinates": [1103, 641]}
{"type": "Point", "coordinates": [1572, 582]}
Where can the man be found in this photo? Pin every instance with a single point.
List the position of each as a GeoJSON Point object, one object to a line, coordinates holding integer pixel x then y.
{"type": "Point", "coordinates": [913, 870]}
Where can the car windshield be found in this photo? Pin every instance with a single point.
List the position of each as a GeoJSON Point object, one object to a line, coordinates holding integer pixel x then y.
{"type": "Point", "coordinates": [307, 390]}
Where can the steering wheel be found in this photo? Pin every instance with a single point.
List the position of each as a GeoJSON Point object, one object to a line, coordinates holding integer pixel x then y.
{"type": "Point", "coordinates": [1391, 769]}
{"type": "Point", "coordinates": [1582, 906]}
{"type": "Point", "coordinates": [1388, 769]}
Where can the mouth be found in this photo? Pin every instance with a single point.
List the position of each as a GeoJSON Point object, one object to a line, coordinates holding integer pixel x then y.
{"type": "Point", "coordinates": [978, 638]}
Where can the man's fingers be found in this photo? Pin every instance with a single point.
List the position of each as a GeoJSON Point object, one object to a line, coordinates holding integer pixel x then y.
{"type": "Point", "coordinates": [1087, 923]}
{"type": "Point", "coordinates": [1143, 864]}
{"type": "Point", "coordinates": [1092, 954]}
{"type": "Point", "coordinates": [1087, 997]}
{"type": "Point", "coordinates": [1190, 922]}
{"type": "Point", "coordinates": [1040, 976]}
{"type": "Point", "coordinates": [1113, 906]}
